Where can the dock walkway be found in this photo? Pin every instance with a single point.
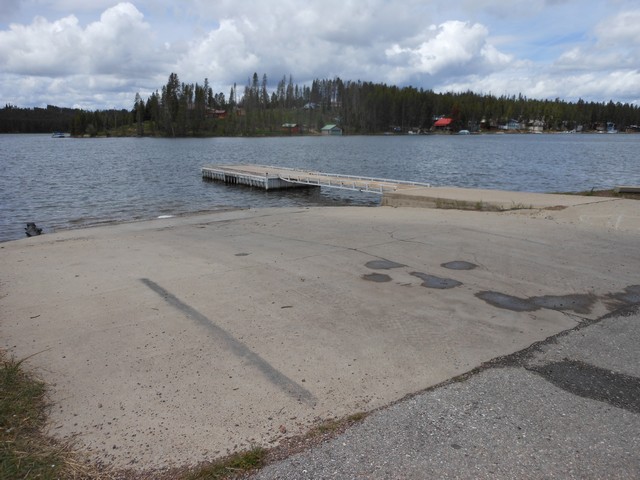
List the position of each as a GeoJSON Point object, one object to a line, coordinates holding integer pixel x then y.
{"type": "Point", "coordinates": [270, 177]}
{"type": "Point", "coordinates": [395, 193]}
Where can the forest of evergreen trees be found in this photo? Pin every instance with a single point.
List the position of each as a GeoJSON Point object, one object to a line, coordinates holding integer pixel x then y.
{"type": "Point", "coordinates": [57, 119]}
{"type": "Point", "coordinates": [183, 109]}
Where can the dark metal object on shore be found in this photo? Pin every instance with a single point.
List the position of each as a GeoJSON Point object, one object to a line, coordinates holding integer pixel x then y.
{"type": "Point", "coordinates": [32, 230]}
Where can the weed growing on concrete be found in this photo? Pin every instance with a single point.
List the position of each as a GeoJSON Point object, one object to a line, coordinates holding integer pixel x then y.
{"type": "Point", "coordinates": [519, 206]}
{"type": "Point", "coordinates": [233, 465]}
{"type": "Point", "coordinates": [336, 425]}
{"type": "Point", "coordinates": [25, 451]}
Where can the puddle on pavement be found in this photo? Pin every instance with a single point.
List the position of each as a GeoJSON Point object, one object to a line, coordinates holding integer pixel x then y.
{"type": "Point", "coordinates": [507, 302]}
{"type": "Point", "coordinates": [578, 303]}
{"type": "Point", "coordinates": [459, 265]}
{"type": "Point", "coordinates": [377, 277]}
{"type": "Point", "coordinates": [431, 281]}
{"type": "Point", "coordinates": [630, 295]}
{"type": "Point", "coordinates": [382, 264]}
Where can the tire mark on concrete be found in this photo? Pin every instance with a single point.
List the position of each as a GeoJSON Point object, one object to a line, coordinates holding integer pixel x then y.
{"type": "Point", "coordinates": [276, 377]}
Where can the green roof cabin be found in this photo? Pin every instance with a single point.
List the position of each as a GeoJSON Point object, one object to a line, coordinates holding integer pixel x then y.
{"type": "Point", "coordinates": [331, 129]}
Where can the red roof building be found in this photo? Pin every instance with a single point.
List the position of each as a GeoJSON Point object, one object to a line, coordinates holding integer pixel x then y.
{"type": "Point", "coordinates": [443, 122]}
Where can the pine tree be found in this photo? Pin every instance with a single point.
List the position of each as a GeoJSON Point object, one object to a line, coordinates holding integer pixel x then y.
{"type": "Point", "coordinates": [139, 112]}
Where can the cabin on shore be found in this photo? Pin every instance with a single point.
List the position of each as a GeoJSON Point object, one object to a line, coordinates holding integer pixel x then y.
{"type": "Point", "coordinates": [331, 129]}
{"type": "Point", "coordinates": [443, 124]}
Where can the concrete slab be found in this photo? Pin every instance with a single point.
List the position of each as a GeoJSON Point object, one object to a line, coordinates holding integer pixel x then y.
{"type": "Point", "coordinates": [179, 340]}
{"type": "Point", "coordinates": [483, 199]}
{"type": "Point", "coordinates": [611, 214]}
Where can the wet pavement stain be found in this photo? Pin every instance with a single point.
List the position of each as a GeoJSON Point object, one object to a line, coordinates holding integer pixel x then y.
{"type": "Point", "coordinates": [459, 265]}
{"type": "Point", "coordinates": [377, 277]}
{"type": "Point", "coordinates": [431, 281]}
{"type": "Point", "coordinates": [579, 303]}
{"type": "Point", "coordinates": [382, 264]}
{"type": "Point", "coordinates": [630, 296]}
{"type": "Point", "coordinates": [508, 302]}
{"type": "Point", "coordinates": [588, 381]}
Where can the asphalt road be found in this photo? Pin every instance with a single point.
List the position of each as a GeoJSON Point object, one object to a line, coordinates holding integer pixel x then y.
{"type": "Point", "coordinates": [567, 407]}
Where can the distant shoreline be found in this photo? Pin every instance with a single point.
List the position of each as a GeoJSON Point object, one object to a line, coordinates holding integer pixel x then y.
{"type": "Point", "coordinates": [315, 134]}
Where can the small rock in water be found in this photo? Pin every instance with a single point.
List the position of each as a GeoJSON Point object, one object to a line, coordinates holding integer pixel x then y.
{"type": "Point", "coordinates": [32, 230]}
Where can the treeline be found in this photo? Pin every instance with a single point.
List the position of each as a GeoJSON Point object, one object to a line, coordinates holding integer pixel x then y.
{"type": "Point", "coordinates": [188, 109]}
{"type": "Point", "coordinates": [57, 119]}
{"type": "Point", "coordinates": [359, 108]}
{"type": "Point", "coordinates": [35, 120]}
{"type": "Point", "coordinates": [183, 109]}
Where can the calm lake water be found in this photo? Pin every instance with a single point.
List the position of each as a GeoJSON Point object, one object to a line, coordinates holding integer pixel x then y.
{"type": "Point", "coordinates": [69, 183]}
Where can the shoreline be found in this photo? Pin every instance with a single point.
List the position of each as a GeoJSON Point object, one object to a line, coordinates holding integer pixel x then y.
{"type": "Point", "coordinates": [470, 205]}
{"type": "Point", "coordinates": [285, 135]}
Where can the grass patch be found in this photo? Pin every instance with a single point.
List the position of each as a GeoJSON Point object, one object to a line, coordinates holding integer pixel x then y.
{"type": "Point", "coordinates": [25, 451]}
{"type": "Point", "coordinates": [241, 464]}
{"type": "Point", "coordinates": [235, 464]}
{"type": "Point", "coordinates": [335, 426]}
{"type": "Point", "coordinates": [520, 206]}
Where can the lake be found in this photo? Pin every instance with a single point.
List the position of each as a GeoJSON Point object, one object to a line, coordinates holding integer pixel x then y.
{"type": "Point", "coordinates": [70, 183]}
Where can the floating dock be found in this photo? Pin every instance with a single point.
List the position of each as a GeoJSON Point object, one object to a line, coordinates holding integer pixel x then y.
{"type": "Point", "coordinates": [271, 178]}
{"type": "Point", "coordinates": [250, 175]}
{"type": "Point", "coordinates": [395, 193]}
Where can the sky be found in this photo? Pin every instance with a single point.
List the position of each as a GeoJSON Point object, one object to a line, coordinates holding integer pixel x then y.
{"type": "Point", "coordinates": [97, 54]}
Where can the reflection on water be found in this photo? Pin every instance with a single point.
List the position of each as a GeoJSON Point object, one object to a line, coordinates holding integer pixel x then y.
{"type": "Point", "coordinates": [67, 183]}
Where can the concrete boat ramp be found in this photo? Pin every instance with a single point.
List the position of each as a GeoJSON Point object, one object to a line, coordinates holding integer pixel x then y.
{"type": "Point", "coordinates": [395, 193]}
{"type": "Point", "coordinates": [178, 340]}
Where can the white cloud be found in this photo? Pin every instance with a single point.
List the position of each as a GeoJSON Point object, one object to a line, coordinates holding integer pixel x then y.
{"type": "Point", "coordinates": [112, 45]}
{"type": "Point", "coordinates": [120, 42]}
{"type": "Point", "coordinates": [42, 48]}
{"type": "Point", "coordinates": [453, 48]}
{"type": "Point", "coordinates": [101, 53]}
{"type": "Point", "coordinates": [115, 51]}
{"type": "Point", "coordinates": [220, 53]}
{"type": "Point", "coordinates": [615, 46]}
{"type": "Point", "coordinates": [356, 45]}
{"type": "Point", "coordinates": [605, 68]}
{"type": "Point", "coordinates": [622, 29]}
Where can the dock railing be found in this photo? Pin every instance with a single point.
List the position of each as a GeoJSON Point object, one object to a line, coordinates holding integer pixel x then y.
{"type": "Point", "coordinates": [346, 182]}
{"type": "Point", "coordinates": [271, 177]}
